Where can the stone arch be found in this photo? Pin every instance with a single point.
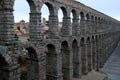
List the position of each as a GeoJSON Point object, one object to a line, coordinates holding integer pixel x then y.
{"type": "Point", "coordinates": [7, 69]}
{"type": "Point", "coordinates": [89, 53]}
{"type": "Point", "coordinates": [45, 18]}
{"type": "Point", "coordinates": [31, 3]}
{"type": "Point", "coordinates": [97, 52]}
{"type": "Point", "coordinates": [76, 59]}
{"type": "Point", "coordinates": [64, 10]}
{"type": "Point", "coordinates": [7, 65]}
{"type": "Point", "coordinates": [23, 67]}
{"type": "Point", "coordinates": [33, 10]}
{"type": "Point", "coordinates": [88, 25]}
{"type": "Point", "coordinates": [33, 65]}
{"type": "Point", "coordinates": [82, 16]}
{"type": "Point", "coordinates": [82, 22]}
{"type": "Point", "coordinates": [32, 7]}
{"type": "Point", "coordinates": [3, 61]}
{"type": "Point", "coordinates": [104, 20]}
{"type": "Point", "coordinates": [52, 30]}
{"type": "Point", "coordinates": [61, 24]}
{"type": "Point", "coordinates": [50, 7]}
{"type": "Point", "coordinates": [4, 53]}
{"type": "Point", "coordinates": [101, 20]}
{"type": "Point", "coordinates": [92, 18]}
{"type": "Point", "coordinates": [22, 18]}
{"type": "Point", "coordinates": [100, 51]}
{"type": "Point", "coordinates": [74, 14]}
{"type": "Point", "coordinates": [92, 24]}
{"type": "Point", "coordinates": [51, 64]}
{"type": "Point", "coordinates": [93, 52]}
{"type": "Point", "coordinates": [65, 60]}
{"type": "Point", "coordinates": [96, 19]}
{"type": "Point", "coordinates": [3, 68]}
{"type": "Point", "coordinates": [66, 23]}
{"type": "Point", "coordinates": [99, 23]}
{"type": "Point", "coordinates": [75, 22]}
{"type": "Point", "coordinates": [87, 17]}
{"type": "Point", "coordinates": [83, 56]}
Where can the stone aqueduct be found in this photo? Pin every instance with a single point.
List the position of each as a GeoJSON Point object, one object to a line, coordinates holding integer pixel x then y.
{"type": "Point", "coordinates": [61, 56]}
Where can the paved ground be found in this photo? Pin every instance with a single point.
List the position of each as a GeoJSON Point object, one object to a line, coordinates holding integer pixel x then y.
{"type": "Point", "coordinates": [93, 75]}
{"type": "Point", "coordinates": [112, 66]}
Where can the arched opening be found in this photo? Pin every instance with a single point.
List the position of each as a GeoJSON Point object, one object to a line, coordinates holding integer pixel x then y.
{"type": "Point", "coordinates": [4, 75]}
{"type": "Point", "coordinates": [97, 53]}
{"type": "Point", "coordinates": [98, 24]}
{"type": "Point", "coordinates": [63, 28]}
{"type": "Point", "coordinates": [87, 23]}
{"type": "Point", "coordinates": [28, 64]}
{"type": "Point", "coordinates": [92, 24]}
{"type": "Point", "coordinates": [45, 20]}
{"type": "Point", "coordinates": [76, 59]}
{"type": "Point", "coordinates": [71, 23]}
{"type": "Point", "coordinates": [102, 45]}
{"type": "Point", "coordinates": [83, 57]}
{"type": "Point", "coordinates": [50, 27]}
{"type": "Point", "coordinates": [82, 22]}
{"type": "Point", "coordinates": [95, 29]}
{"type": "Point", "coordinates": [100, 51]}
{"type": "Point", "coordinates": [51, 62]}
{"type": "Point", "coordinates": [93, 53]}
{"type": "Point", "coordinates": [65, 60]}
{"type": "Point", "coordinates": [87, 17]}
{"type": "Point", "coordinates": [89, 54]}
{"type": "Point", "coordinates": [23, 67]}
{"type": "Point", "coordinates": [21, 20]}
{"type": "Point", "coordinates": [82, 16]}
{"type": "Point", "coordinates": [60, 19]}
{"type": "Point", "coordinates": [75, 22]}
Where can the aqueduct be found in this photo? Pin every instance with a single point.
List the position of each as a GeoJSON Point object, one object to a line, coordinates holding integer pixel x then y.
{"type": "Point", "coordinates": [61, 56]}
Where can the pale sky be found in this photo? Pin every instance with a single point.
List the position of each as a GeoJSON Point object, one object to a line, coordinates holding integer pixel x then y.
{"type": "Point", "coordinates": [108, 7]}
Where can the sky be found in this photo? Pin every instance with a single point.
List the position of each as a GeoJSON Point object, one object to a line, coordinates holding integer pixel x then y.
{"type": "Point", "coordinates": [108, 7]}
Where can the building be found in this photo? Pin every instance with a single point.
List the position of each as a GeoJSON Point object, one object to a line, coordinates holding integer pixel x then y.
{"type": "Point", "coordinates": [21, 29]}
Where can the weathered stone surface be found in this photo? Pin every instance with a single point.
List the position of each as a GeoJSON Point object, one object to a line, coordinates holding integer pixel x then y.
{"type": "Point", "coordinates": [82, 45]}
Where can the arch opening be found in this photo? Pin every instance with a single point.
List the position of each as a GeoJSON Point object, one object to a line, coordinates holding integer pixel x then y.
{"type": "Point", "coordinates": [28, 62]}
{"type": "Point", "coordinates": [65, 60]}
{"type": "Point", "coordinates": [93, 53]}
{"type": "Point", "coordinates": [76, 59]}
{"type": "Point", "coordinates": [97, 52]}
{"type": "Point", "coordinates": [89, 54]}
{"type": "Point", "coordinates": [51, 59]}
{"type": "Point", "coordinates": [82, 16]}
{"type": "Point", "coordinates": [74, 22]}
{"type": "Point", "coordinates": [3, 67]}
{"type": "Point", "coordinates": [60, 19]}
{"type": "Point", "coordinates": [83, 57]}
{"type": "Point", "coordinates": [62, 13]}
{"type": "Point", "coordinates": [82, 21]}
{"type": "Point", "coordinates": [50, 27]}
{"type": "Point", "coordinates": [21, 20]}
{"type": "Point", "coordinates": [45, 20]}
{"type": "Point", "coordinates": [88, 25]}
